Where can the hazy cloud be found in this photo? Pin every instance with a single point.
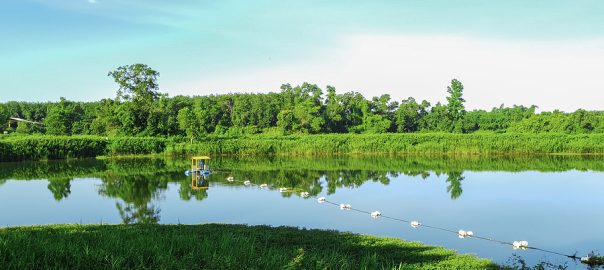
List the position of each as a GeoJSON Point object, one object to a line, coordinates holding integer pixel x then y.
{"type": "Point", "coordinates": [563, 75]}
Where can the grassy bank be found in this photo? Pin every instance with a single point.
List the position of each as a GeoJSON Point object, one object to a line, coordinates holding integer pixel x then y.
{"type": "Point", "coordinates": [18, 148]}
{"type": "Point", "coordinates": [214, 246]}
{"type": "Point", "coordinates": [394, 144]}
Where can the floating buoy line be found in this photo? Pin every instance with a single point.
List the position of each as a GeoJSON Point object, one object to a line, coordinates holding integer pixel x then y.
{"type": "Point", "coordinates": [415, 224]}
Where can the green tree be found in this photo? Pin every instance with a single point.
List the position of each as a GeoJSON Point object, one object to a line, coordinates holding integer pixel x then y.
{"type": "Point", "coordinates": [187, 121]}
{"type": "Point", "coordinates": [62, 117]}
{"type": "Point", "coordinates": [581, 121]}
{"type": "Point", "coordinates": [105, 121]}
{"type": "Point", "coordinates": [306, 104]}
{"type": "Point", "coordinates": [138, 89]}
{"type": "Point", "coordinates": [137, 83]}
{"type": "Point", "coordinates": [385, 108]}
{"type": "Point", "coordinates": [4, 117]}
{"type": "Point", "coordinates": [437, 119]}
{"type": "Point", "coordinates": [456, 110]}
{"type": "Point", "coordinates": [23, 128]}
{"type": "Point", "coordinates": [334, 110]}
{"type": "Point", "coordinates": [409, 115]}
{"type": "Point", "coordinates": [285, 121]}
{"type": "Point", "coordinates": [355, 106]}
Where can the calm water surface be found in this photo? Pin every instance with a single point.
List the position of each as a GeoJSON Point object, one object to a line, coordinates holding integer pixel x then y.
{"type": "Point", "coordinates": [553, 202]}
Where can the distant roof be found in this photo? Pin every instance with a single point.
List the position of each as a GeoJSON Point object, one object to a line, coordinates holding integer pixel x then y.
{"type": "Point", "coordinates": [23, 120]}
{"type": "Point", "coordinates": [200, 157]}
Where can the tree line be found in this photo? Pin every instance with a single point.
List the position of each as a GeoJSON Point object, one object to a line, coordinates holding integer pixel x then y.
{"type": "Point", "coordinates": [140, 109]}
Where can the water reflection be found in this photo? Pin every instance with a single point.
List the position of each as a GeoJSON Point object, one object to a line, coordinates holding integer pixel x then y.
{"type": "Point", "coordinates": [137, 184]}
{"type": "Point", "coordinates": [60, 187]}
{"type": "Point", "coordinates": [137, 190]}
{"type": "Point", "coordinates": [198, 189]}
{"type": "Point", "coordinates": [454, 188]}
{"type": "Point", "coordinates": [143, 214]}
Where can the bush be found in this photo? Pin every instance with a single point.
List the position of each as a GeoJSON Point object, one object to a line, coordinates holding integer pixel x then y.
{"type": "Point", "coordinates": [136, 145]}
{"type": "Point", "coordinates": [16, 148]}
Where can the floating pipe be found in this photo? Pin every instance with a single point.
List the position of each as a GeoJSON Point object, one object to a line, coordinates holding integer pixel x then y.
{"type": "Point", "coordinates": [345, 206]}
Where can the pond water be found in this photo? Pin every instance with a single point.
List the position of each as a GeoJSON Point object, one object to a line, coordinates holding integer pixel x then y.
{"type": "Point", "coordinates": [554, 202]}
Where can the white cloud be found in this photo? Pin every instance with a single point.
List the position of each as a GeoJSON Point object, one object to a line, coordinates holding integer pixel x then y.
{"type": "Point", "coordinates": [92, 1]}
{"type": "Point", "coordinates": [562, 75]}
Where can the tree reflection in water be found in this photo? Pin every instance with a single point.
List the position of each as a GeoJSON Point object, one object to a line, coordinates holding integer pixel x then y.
{"type": "Point", "coordinates": [143, 214]}
{"type": "Point", "coordinates": [454, 188]}
{"type": "Point", "coordinates": [59, 187]}
{"type": "Point", "coordinates": [138, 193]}
{"type": "Point", "coordinates": [138, 183]}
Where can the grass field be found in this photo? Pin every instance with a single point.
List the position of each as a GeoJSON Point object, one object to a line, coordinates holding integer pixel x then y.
{"type": "Point", "coordinates": [215, 246]}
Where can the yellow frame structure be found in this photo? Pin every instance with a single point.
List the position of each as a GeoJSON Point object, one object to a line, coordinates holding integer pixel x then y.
{"type": "Point", "coordinates": [195, 175]}
{"type": "Point", "coordinates": [195, 162]}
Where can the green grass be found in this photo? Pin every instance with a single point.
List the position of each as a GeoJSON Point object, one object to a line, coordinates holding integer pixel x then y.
{"type": "Point", "coordinates": [17, 148]}
{"type": "Point", "coordinates": [39, 147]}
{"type": "Point", "coordinates": [215, 246]}
{"type": "Point", "coordinates": [397, 144]}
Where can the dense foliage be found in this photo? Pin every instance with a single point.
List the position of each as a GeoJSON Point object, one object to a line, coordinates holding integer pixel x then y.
{"type": "Point", "coordinates": [214, 246]}
{"type": "Point", "coordinates": [140, 109]}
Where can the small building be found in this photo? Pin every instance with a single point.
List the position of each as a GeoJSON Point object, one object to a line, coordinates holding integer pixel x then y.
{"type": "Point", "coordinates": [14, 121]}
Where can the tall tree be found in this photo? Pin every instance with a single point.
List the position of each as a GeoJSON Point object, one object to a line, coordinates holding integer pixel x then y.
{"type": "Point", "coordinates": [138, 89]}
{"type": "Point", "coordinates": [456, 110]}
{"type": "Point", "coordinates": [136, 83]}
{"type": "Point", "coordinates": [306, 104]}
{"type": "Point", "coordinates": [334, 110]}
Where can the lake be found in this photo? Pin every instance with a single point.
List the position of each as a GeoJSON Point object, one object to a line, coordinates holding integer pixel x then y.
{"type": "Point", "coordinates": [553, 202]}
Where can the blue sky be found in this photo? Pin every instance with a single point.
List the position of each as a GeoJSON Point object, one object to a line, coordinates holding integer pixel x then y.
{"type": "Point", "coordinates": [549, 53]}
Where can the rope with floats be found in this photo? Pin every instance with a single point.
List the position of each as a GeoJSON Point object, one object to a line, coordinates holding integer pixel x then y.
{"type": "Point", "coordinates": [516, 245]}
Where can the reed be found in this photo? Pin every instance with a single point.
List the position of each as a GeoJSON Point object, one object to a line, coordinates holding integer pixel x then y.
{"type": "Point", "coordinates": [397, 144]}
{"type": "Point", "coordinates": [38, 147]}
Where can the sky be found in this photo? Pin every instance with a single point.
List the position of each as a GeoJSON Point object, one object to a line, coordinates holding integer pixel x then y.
{"type": "Point", "coordinates": [548, 53]}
